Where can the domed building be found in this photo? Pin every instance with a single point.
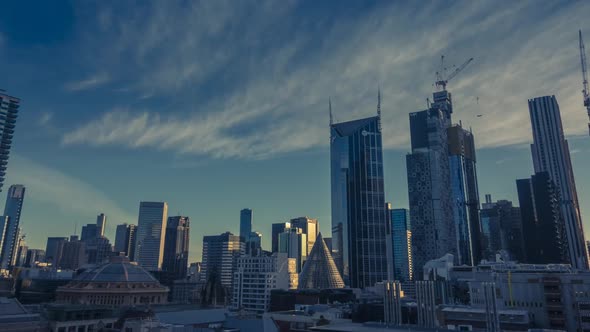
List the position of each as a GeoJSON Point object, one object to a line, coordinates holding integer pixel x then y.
{"type": "Point", "coordinates": [117, 283]}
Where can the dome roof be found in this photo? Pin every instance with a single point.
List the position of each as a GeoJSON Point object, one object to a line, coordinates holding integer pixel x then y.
{"type": "Point", "coordinates": [119, 269]}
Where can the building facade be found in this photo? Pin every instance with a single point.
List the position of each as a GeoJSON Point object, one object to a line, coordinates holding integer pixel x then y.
{"type": "Point", "coordinates": [176, 246]}
{"type": "Point", "coordinates": [310, 228]}
{"type": "Point", "coordinates": [320, 271]}
{"type": "Point", "coordinates": [359, 216]}
{"type": "Point", "coordinates": [245, 224]}
{"type": "Point", "coordinates": [54, 249]}
{"type": "Point", "coordinates": [465, 194]}
{"type": "Point", "coordinates": [256, 276]}
{"type": "Point", "coordinates": [402, 245]}
{"type": "Point", "coordinates": [101, 224]}
{"type": "Point", "coordinates": [151, 228]}
{"type": "Point", "coordinates": [545, 241]}
{"type": "Point", "coordinates": [220, 254]}
{"type": "Point", "coordinates": [9, 107]}
{"type": "Point", "coordinates": [293, 242]}
{"type": "Point", "coordinates": [501, 229]}
{"type": "Point", "coordinates": [12, 210]}
{"type": "Point", "coordinates": [429, 183]}
{"type": "Point", "coordinates": [551, 154]}
{"type": "Point", "coordinates": [278, 228]}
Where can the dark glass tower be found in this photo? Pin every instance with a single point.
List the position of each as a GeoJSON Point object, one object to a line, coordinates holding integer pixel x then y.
{"type": "Point", "coordinates": [359, 220]}
{"type": "Point", "coordinates": [543, 227]}
{"type": "Point", "coordinates": [245, 224]}
{"type": "Point", "coordinates": [12, 210]}
{"type": "Point", "coordinates": [176, 243]}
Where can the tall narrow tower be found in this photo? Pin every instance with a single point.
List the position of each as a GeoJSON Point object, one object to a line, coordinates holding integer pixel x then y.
{"type": "Point", "coordinates": [8, 112]}
{"type": "Point", "coordinates": [551, 154]}
{"type": "Point", "coordinates": [12, 210]}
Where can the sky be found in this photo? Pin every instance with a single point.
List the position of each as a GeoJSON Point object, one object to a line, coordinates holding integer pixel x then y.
{"type": "Point", "coordinates": [215, 106]}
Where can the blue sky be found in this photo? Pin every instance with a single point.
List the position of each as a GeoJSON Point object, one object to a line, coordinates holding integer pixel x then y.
{"type": "Point", "coordinates": [214, 106]}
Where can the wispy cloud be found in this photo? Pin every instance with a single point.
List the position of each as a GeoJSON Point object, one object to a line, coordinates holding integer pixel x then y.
{"type": "Point", "coordinates": [45, 118]}
{"type": "Point", "coordinates": [242, 83]}
{"type": "Point", "coordinates": [88, 83]}
{"type": "Point", "coordinates": [69, 195]}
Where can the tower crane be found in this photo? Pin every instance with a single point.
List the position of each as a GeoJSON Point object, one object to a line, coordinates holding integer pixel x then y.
{"type": "Point", "coordinates": [441, 81]}
{"type": "Point", "coordinates": [584, 77]}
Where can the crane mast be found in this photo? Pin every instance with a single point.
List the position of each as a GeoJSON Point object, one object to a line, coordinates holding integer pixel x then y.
{"type": "Point", "coordinates": [441, 81]}
{"type": "Point", "coordinates": [584, 78]}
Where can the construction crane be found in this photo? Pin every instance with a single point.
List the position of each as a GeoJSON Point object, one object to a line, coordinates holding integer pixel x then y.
{"type": "Point", "coordinates": [441, 81]}
{"type": "Point", "coordinates": [585, 78]}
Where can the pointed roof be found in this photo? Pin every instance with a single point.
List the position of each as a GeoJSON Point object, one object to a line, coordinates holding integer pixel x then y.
{"type": "Point", "coordinates": [319, 270]}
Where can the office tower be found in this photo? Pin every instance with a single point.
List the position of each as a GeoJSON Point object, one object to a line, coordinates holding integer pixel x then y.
{"type": "Point", "coordinates": [278, 228]}
{"type": "Point", "coordinates": [175, 262]}
{"type": "Point", "coordinates": [101, 224]}
{"type": "Point", "coordinates": [125, 240]}
{"type": "Point", "coordinates": [12, 210]}
{"type": "Point", "coordinates": [121, 240]}
{"type": "Point", "coordinates": [89, 232]}
{"type": "Point", "coordinates": [98, 250]}
{"type": "Point", "coordinates": [151, 228]}
{"type": "Point", "coordinates": [3, 225]}
{"type": "Point", "coordinates": [465, 194]}
{"type": "Point", "coordinates": [255, 277]}
{"type": "Point", "coordinates": [359, 218]}
{"type": "Point", "coordinates": [254, 244]}
{"type": "Point", "coordinates": [21, 252]}
{"type": "Point", "coordinates": [54, 249]}
{"type": "Point", "coordinates": [294, 242]}
{"type": "Point", "coordinates": [309, 227]}
{"type": "Point", "coordinates": [542, 223]}
{"type": "Point", "coordinates": [429, 183]}
{"type": "Point", "coordinates": [9, 111]}
{"type": "Point", "coordinates": [245, 224]}
{"type": "Point", "coordinates": [220, 254]}
{"type": "Point", "coordinates": [402, 245]}
{"type": "Point", "coordinates": [320, 271]}
{"type": "Point", "coordinates": [73, 255]}
{"type": "Point", "coordinates": [501, 229]}
{"type": "Point", "coordinates": [34, 256]}
{"type": "Point", "coordinates": [551, 154]}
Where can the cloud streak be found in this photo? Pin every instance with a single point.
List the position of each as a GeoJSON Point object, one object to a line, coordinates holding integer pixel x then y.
{"type": "Point", "coordinates": [273, 74]}
{"type": "Point", "coordinates": [88, 83]}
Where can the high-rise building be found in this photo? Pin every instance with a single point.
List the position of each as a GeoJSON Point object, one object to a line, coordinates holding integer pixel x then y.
{"type": "Point", "coordinates": [125, 240]}
{"type": "Point", "coordinates": [175, 262]}
{"type": "Point", "coordinates": [220, 254]}
{"type": "Point", "coordinates": [89, 232]}
{"type": "Point", "coordinates": [54, 249]}
{"type": "Point", "coordinates": [429, 183]}
{"type": "Point", "coordinates": [73, 255]}
{"type": "Point", "coordinates": [3, 225]}
{"type": "Point", "coordinates": [278, 228]}
{"type": "Point", "coordinates": [551, 154]}
{"type": "Point", "coordinates": [254, 244]}
{"type": "Point", "coordinates": [101, 224]}
{"type": "Point", "coordinates": [465, 194]}
{"type": "Point", "coordinates": [542, 223]}
{"type": "Point", "coordinates": [256, 276]}
{"type": "Point", "coordinates": [34, 256]}
{"type": "Point", "coordinates": [9, 111]}
{"type": "Point", "coordinates": [151, 228]}
{"type": "Point", "coordinates": [359, 217]}
{"type": "Point", "coordinates": [293, 242]}
{"type": "Point", "coordinates": [320, 271]}
{"type": "Point", "coordinates": [12, 210]}
{"type": "Point", "coordinates": [501, 229]}
{"type": "Point", "coordinates": [402, 245]}
{"type": "Point", "coordinates": [245, 224]}
{"type": "Point", "coordinates": [98, 250]}
{"type": "Point", "coordinates": [309, 227]}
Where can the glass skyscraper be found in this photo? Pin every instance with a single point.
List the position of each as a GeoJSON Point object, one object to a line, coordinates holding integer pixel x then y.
{"type": "Point", "coordinates": [151, 227]}
{"type": "Point", "coordinates": [402, 245]}
{"type": "Point", "coordinates": [359, 220]}
{"type": "Point", "coordinates": [176, 245]}
{"type": "Point", "coordinates": [12, 210]}
{"type": "Point", "coordinates": [245, 224]}
{"type": "Point", "coordinates": [551, 154]}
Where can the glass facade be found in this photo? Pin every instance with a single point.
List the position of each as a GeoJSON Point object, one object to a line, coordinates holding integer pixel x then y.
{"type": "Point", "coordinates": [245, 224]}
{"type": "Point", "coordinates": [402, 245]}
{"type": "Point", "coordinates": [12, 210]}
{"type": "Point", "coordinates": [151, 228]}
{"type": "Point", "coordinates": [359, 220]}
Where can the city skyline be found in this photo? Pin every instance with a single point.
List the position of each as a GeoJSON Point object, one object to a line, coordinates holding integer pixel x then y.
{"type": "Point", "coordinates": [77, 161]}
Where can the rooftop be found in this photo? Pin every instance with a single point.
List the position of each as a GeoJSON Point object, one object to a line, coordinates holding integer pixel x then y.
{"type": "Point", "coordinates": [119, 269]}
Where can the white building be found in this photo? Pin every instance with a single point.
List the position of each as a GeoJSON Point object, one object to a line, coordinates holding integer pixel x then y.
{"type": "Point", "coordinates": [256, 276]}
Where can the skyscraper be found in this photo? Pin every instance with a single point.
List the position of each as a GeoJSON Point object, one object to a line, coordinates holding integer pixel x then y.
{"type": "Point", "coordinates": [543, 226]}
{"type": "Point", "coordinates": [54, 249]}
{"type": "Point", "coordinates": [359, 219]}
{"type": "Point", "coordinates": [151, 228]}
{"type": "Point", "coordinates": [309, 227]}
{"type": "Point", "coordinates": [293, 242]}
{"type": "Point", "coordinates": [9, 111]}
{"type": "Point", "coordinates": [175, 262]}
{"type": "Point", "coordinates": [245, 224]}
{"type": "Point", "coordinates": [12, 209]}
{"type": "Point", "coordinates": [465, 194]}
{"type": "Point", "coordinates": [278, 228]}
{"type": "Point", "coordinates": [101, 224]}
{"type": "Point", "coordinates": [220, 254]}
{"type": "Point", "coordinates": [501, 229]}
{"type": "Point", "coordinates": [402, 245]}
{"type": "Point", "coordinates": [125, 240]}
{"type": "Point", "coordinates": [429, 183]}
{"type": "Point", "coordinates": [551, 154]}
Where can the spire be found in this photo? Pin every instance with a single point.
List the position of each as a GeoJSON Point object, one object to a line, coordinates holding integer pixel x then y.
{"type": "Point", "coordinates": [330, 106]}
